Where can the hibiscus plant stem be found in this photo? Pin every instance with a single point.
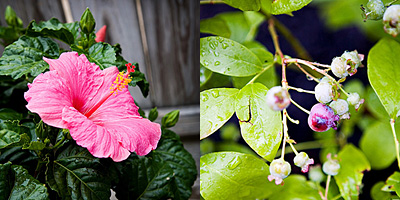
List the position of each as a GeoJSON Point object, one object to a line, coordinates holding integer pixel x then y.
{"type": "Point", "coordinates": [396, 141]}
{"type": "Point", "coordinates": [59, 143]}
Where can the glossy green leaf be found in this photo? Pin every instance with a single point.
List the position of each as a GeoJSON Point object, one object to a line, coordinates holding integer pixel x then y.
{"type": "Point", "coordinates": [25, 56]}
{"type": "Point", "coordinates": [287, 6]}
{"type": "Point", "coordinates": [215, 26]}
{"type": "Point", "coordinates": [76, 174]}
{"type": "Point", "coordinates": [9, 114]}
{"type": "Point", "coordinates": [377, 193]}
{"type": "Point", "coordinates": [383, 74]}
{"type": "Point", "coordinates": [209, 79]}
{"type": "Point", "coordinates": [393, 183]}
{"type": "Point", "coordinates": [17, 156]}
{"type": "Point", "coordinates": [231, 175]}
{"type": "Point", "coordinates": [378, 145]}
{"type": "Point", "coordinates": [34, 145]}
{"type": "Point", "coordinates": [66, 32]}
{"type": "Point", "coordinates": [260, 126]}
{"type": "Point", "coordinates": [234, 146]}
{"type": "Point", "coordinates": [230, 132]}
{"type": "Point", "coordinates": [228, 57]}
{"type": "Point", "coordinates": [353, 163]}
{"type": "Point", "coordinates": [10, 138]}
{"type": "Point", "coordinates": [5, 180]}
{"type": "Point", "coordinates": [243, 26]}
{"type": "Point", "coordinates": [216, 107]}
{"type": "Point", "coordinates": [266, 6]}
{"type": "Point", "coordinates": [24, 186]}
{"type": "Point", "coordinates": [102, 54]}
{"type": "Point", "coordinates": [170, 119]}
{"type": "Point", "coordinates": [374, 105]}
{"type": "Point", "coordinates": [168, 172]}
{"type": "Point", "coordinates": [245, 5]}
{"type": "Point", "coordinates": [296, 187]}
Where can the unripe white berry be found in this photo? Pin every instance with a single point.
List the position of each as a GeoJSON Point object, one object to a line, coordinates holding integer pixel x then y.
{"type": "Point", "coordinates": [315, 174]}
{"type": "Point", "coordinates": [339, 67]}
{"type": "Point", "coordinates": [278, 98]}
{"type": "Point", "coordinates": [324, 92]}
{"type": "Point", "coordinates": [340, 106]}
{"type": "Point", "coordinates": [374, 9]}
{"type": "Point", "coordinates": [331, 167]}
{"type": "Point", "coordinates": [391, 20]}
{"type": "Point", "coordinates": [354, 100]}
{"type": "Point", "coordinates": [279, 170]}
{"type": "Point", "coordinates": [302, 160]}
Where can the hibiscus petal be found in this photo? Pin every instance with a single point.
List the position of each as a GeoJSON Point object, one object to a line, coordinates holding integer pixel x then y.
{"type": "Point", "coordinates": [47, 96]}
{"type": "Point", "coordinates": [82, 77]}
{"type": "Point", "coordinates": [98, 140]}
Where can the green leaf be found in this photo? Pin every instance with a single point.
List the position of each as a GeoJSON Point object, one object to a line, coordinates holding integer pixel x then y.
{"type": "Point", "coordinates": [5, 180]}
{"type": "Point", "coordinates": [87, 22]}
{"type": "Point", "coordinates": [76, 174]}
{"type": "Point", "coordinates": [170, 119]}
{"type": "Point", "coordinates": [66, 32]}
{"type": "Point", "coordinates": [167, 172]}
{"type": "Point", "coordinates": [228, 57]}
{"type": "Point", "coordinates": [383, 74]}
{"type": "Point", "coordinates": [9, 114]}
{"type": "Point", "coordinates": [34, 145]}
{"type": "Point", "coordinates": [216, 107]}
{"type": "Point", "coordinates": [377, 193]}
{"type": "Point", "coordinates": [25, 56]}
{"type": "Point", "coordinates": [17, 156]}
{"type": "Point", "coordinates": [234, 146]}
{"type": "Point", "coordinates": [378, 145]}
{"type": "Point", "coordinates": [209, 79]}
{"type": "Point", "coordinates": [352, 165]}
{"type": "Point", "coordinates": [231, 175]}
{"type": "Point", "coordinates": [374, 105]}
{"type": "Point", "coordinates": [215, 26]}
{"type": "Point", "coordinates": [102, 54]}
{"type": "Point", "coordinates": [153, 114]}
{"type": "Point", "coordinates": [139, 79]}
{"type": "Point", "coordinates": [24, 186]}
{"type": "Point", "coordinates": [230, 132]}
{"type": "Point", "coordinates": [11, 139]}
{"type": "Point", "coordinates": [244, 5]}
{"type": "Point", "coordinates": [287, 6]}
{"type": "Point", "coordinates": [296, 187]}
{"type": "Point", "coordinates": [260, 126]}
{"type": "Point", "coordinates": [12, 19]}
{"type": "Point", "coordinates": [393, 183]}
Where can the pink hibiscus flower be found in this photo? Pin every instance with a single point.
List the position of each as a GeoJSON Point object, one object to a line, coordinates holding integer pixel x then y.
{"type": "Point", "coordinates": [95, 105]}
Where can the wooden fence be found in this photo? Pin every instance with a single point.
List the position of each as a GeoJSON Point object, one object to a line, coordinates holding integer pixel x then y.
{"type": "Point", "coordinates": [161, 35]}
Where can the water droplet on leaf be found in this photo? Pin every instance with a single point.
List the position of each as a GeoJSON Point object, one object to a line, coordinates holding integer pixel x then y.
{"type": "Point", "coordinates": [234, 163]}
{"type": "Point", "coordinates": [217, 63]}
{"type": "Point", "coordinates": [215, 93]}
{"type": "Point", "coordinates": [224, 45]}
{"type": "Point", "coordinates": [223, 155]}
{"type": "Point", "coordinates": [204, 97]}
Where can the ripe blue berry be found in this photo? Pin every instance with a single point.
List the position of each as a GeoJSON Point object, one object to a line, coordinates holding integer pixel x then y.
{"type": "Point", "coordinates": [322, 118]}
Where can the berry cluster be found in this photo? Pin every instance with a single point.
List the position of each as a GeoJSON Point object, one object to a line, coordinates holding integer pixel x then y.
{"type": "Point", "coordinates": [376, 10]}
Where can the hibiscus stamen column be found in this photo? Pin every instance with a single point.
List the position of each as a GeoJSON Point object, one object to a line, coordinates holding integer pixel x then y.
{"type": "Point", "coordinates": [121, 81]}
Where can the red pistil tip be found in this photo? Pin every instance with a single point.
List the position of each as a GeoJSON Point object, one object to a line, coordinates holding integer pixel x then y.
{"type": "Point", "coordinates": [130, 68]}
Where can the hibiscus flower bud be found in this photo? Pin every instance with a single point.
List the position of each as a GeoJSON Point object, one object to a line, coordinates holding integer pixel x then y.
{"type": "Point", "coordinates": [101, 34]}
{"type": "Point", "coordinates": [340, 106]}
{"type": "Point", "coordinates": [374, 10]}
{"type": "Point", "coordinates": [87, 22]}
{"type": "Point", "coordinates": [302, 160]}
{"type": "Point", "coordinates": [353, 61]}
{"type": "Point", "coordinates": [391, 20]}
{"type": "Point", "coordinates": [279, 170]}
{"type": "Point", "coordinates": [278, 98]}
{"type": "Point", "coordinates": [322, 118]}
{"type": "Point", "coordinates": [339, 67]}
{"type": "Point", "coordinates": [331, 167]}
{"type": "Point", "coordinates": [355, 100]}
{"type": "Point", "coordinates": [324, 91]}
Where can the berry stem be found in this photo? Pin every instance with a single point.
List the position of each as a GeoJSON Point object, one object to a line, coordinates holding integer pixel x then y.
{"type": "Point", "coordinates": [294, 121]}
{"type": "Point", "coordinates": [301, 90]}
{"type": "Point", "coordinates": [396, 141]}
{"type": "Point", "coordinates": [310, 145]}
{"type": "Point", "coordinates": [347, 94]}
{"type": "Point", "coordinates": [390, 3]}
{"type": "Point", "coordinates": [327, 186]}
{"type": "Point", "coordinates": [259, 74]}
{"type": "Point", "coordinates": [301, 108]}
{"type": "Point", "coordinates": [285, 133]}
{"type": "Point", "coordinates": [294, 149]}
{"type": "Point", "coordinates": [306, 73]}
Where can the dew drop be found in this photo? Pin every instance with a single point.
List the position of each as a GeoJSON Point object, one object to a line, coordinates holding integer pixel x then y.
{"type": "Point", "coordinates": [309, 78]}
{"type": "Point", "coordinates": [209, 38]}
{"type": "Point", "coordinates": [216, 54]}
{"type": "Point", "coordinates": [217, 63]}
{"type": "Point", "coordinates": [234, 163]}
{"type": "Point", "coordinates": [203, 53]}
{"type": "Point", "coordinates": [223, 155]}
{"type": "Point", "coordinates": [212, 159]}
{"type": "Point", "coordinates": [220, 118]}
{"type": "Point", "coordinates": [204, 97]}
{"type": "Point", "coordinates": [212, 46]}
{"type": "Point", "coordinates": [224, 45]}
{"type": "Point", "coordinates": [215, 93]}
{"type": "Point", "coordinates": [206, 63]}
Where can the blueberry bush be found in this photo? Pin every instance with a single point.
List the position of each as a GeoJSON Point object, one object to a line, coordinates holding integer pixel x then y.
{"type": "Point", "coordinates": [299, 99]}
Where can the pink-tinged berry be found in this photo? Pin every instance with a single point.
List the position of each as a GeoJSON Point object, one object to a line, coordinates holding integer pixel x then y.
{"type": "Point", "coordinates": [322, 118]}
{"type": "Point", "coordinates": [279, 170]}
{"type": "Point", "coordinates": [302, 160]}
{"type": "Point", "coordinates": [331, 167]}
{"type": "Point", "coordinates": [391, 20]}
{"type": "Point", "coordinates": [355, 100]}
{"type": "Point", "coordinates": [278, 98]}
{"type": "Point", "coordinates": [339, 67]}
{"type": "Point", "coordinates": [353, 61]}
{"type": "Point", "coordinates": [325, 91]}
{"type": "Point", "coordinates": [341, 107]}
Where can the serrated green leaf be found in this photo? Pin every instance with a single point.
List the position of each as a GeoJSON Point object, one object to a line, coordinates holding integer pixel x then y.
{"type": "Point", "coordinates": [66, 32]}
{"type": "Point", "coordinates": [25, 56]}
{"type": "Point", "coordinates": [296, 187]}
{"type": "Point", "coordinates": [376, 192]}
{"type": "Point", "coordinates": [287, 6]}
{"type": "Point", "coordinates": [215, 26]}
{"type": "Point", "coordinates": [383, 74]}
{"type": "Point", "coordinates": [231, 175]}
{"type": "Point", "coordinates": [260, 126]}
{"type": "Point", "coordinates": [102, 54]}
{"type": "Point", "coordinates": [228, 57]}
{"type": "Point", "coordinates": [34, 145]}
{"type": "Point", "coordinates": [76, 174]}
{"type": "Point", "coordinates": [170, 119]}
{"type": "Point", "coordinates": [378, 145]}
{"type": "Point", "coordinates": [26, 187]}
{"type": "Point", "coordinates": [244, 5]}
{"type": "Point", "coordinates": [216, 107]}
{"type": "Point", "coordinates": [167, 172]}
{"type": "Point", "coordinates": [353, 163]}
{"type": "Point", "coordinates": [393, 183]}
{"type": "Point", "coordinates": [10, 138]}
